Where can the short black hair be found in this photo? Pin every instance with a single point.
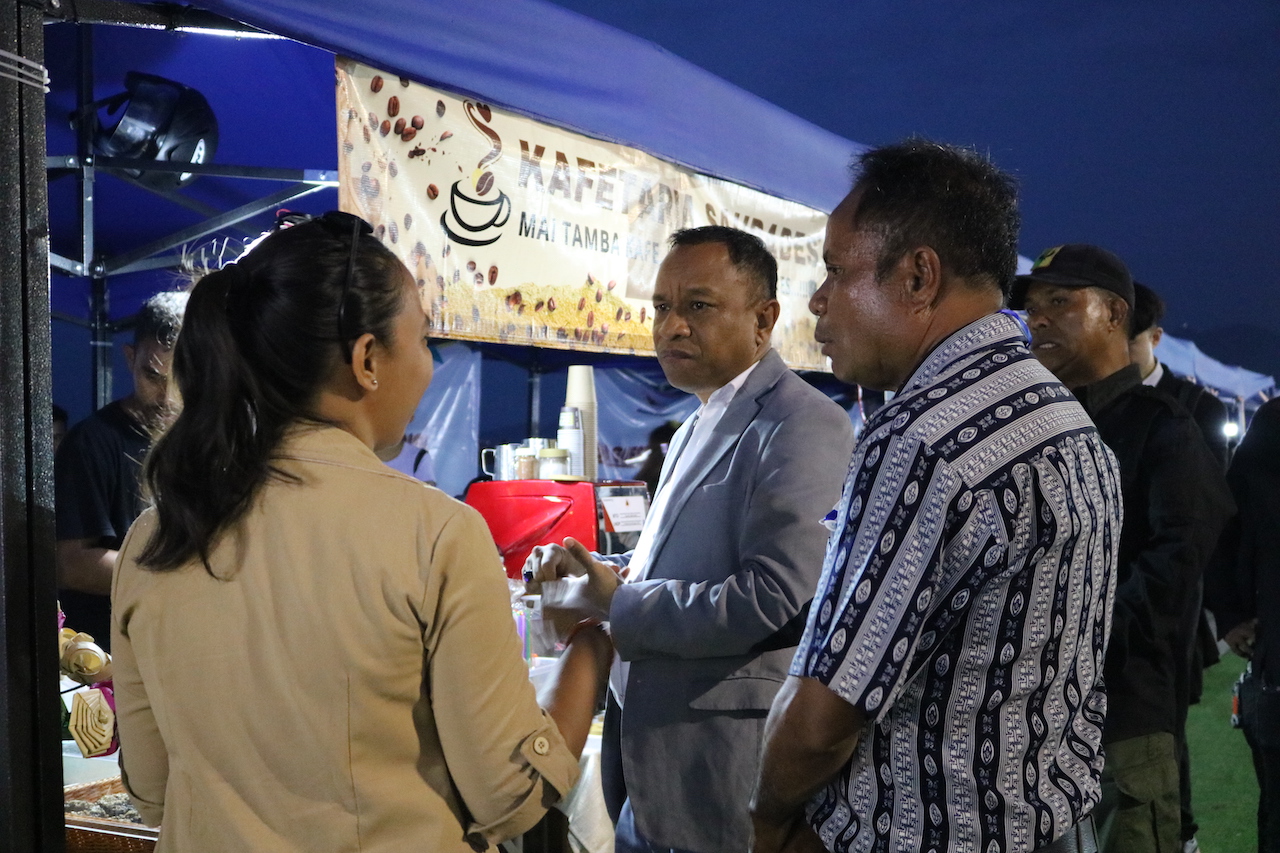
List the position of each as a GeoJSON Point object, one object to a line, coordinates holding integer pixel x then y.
{"type": "Point", "coordinates": [747, 253]}
{"type": "Point", "coordinates": [1148, 309]}
{"type": "Point", "coordinates": [160, 318]}
{"type": "Point", "coordinates": [923, 193]}
{"type": "Point", "coordinates": [60, 415]}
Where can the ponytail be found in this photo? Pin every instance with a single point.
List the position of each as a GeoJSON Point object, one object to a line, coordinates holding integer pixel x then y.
{"type": "Point", "coordinates": [259, 340]}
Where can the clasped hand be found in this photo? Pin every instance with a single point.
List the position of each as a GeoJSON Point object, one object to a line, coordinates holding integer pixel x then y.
{"type": "Point", "coordinates": [1242, 638]}
{"type": "Point", "coordinates": [573, 584]}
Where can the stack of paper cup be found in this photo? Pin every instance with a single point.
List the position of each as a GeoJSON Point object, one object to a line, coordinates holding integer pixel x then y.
{"type": "Point", "coordinates": [581, 395]}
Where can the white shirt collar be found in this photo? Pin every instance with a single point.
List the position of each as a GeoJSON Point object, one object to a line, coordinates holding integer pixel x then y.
{"type": "Point", "coordinates": [1155, 376]}
{"type": "Point", "coordinates": [721, 396]}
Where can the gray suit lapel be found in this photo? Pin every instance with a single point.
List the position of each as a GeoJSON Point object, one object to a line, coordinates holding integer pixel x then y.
{"type": "Point", "coordinates": [678, 440]}
{"type": "Point", "coordinates": [740, 413]}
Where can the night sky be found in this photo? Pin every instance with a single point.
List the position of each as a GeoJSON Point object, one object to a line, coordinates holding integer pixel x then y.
{"type": "Point", "coordinates": [1148, 128]}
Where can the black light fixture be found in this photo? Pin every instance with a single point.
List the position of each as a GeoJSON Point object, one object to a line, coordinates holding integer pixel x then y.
{"type": "Point", "coordinates": [163, 121]}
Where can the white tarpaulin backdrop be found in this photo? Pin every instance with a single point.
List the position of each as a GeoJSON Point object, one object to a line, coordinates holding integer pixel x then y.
{"type": "Point", "coordinates": [524, 233]}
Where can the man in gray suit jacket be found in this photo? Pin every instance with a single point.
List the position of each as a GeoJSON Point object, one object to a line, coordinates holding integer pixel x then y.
{"type": "Point", "coordinates": [716, 592]}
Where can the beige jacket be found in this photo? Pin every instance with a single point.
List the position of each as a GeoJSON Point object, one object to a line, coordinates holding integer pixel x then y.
{"type": "Point", "coordinates": [352, 682]}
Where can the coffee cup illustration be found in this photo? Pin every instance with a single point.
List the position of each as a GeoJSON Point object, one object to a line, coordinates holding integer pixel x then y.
{"type": "Point", "coordinates": [474, 221]}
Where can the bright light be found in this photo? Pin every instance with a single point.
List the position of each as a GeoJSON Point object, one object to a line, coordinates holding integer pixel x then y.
{"type": "Point", "coordinates": [225, 33]}
{"type": "Point", "coordinates": [1231, 429]}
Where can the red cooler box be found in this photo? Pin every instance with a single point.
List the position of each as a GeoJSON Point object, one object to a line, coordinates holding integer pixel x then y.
{"type": "Point", "coordinates": [606, 517]}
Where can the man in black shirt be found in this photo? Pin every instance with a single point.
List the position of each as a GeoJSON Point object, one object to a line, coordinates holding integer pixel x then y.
{"type": "Point", "coordinates": [1079, 302]}
{"type": "Point", "coordinates": [98, 466]}
{"type": "Point", "coordinates": [1210, 416]}
{"type": "Point", "coordinates": [1209, 412]}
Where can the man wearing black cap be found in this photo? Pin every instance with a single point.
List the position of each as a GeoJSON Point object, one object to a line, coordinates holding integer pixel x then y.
{"type": "Point", "coordinates": [1079, 303]}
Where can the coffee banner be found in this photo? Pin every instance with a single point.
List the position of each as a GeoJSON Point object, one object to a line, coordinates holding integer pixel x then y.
{"type": "Point", "coordinates": [524, 233]}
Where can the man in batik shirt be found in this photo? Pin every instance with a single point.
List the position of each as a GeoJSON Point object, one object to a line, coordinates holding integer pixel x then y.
{"type": "Point", "coordinates": [947, 693]}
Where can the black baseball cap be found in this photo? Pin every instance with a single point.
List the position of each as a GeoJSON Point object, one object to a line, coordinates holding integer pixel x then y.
{"type": "Point", "coordinates": [1076, 265]}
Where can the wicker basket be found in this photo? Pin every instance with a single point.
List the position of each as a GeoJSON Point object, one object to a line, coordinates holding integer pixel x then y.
{"type": "Point", "coordinates": [102, 835]}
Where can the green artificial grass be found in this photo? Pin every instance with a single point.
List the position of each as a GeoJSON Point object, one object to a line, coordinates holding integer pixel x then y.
{"type": "Point", "coordinates": [1224, 790]}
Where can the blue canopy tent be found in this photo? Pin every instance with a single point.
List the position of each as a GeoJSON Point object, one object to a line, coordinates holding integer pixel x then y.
{"type": "Point", "coordinates": [549, 63]}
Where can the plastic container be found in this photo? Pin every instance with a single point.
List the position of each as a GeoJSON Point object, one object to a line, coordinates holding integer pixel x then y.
{"type": "Point", "coordinates": [553, 462]}
{"type": "Point", "coordinates": [526, 464]}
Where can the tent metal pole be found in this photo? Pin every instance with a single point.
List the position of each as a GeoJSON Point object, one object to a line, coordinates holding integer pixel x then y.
{"type": "Point", "coordinates": [322, 177]}
{"type": "Point", "coordinates": [128, 261]}
{"type": "Point", "coordinates": [101, 342]}
{"type": "Point", "coordinates": [535, 400]}
{"type": "Point", "coordinates": [30, 738]}
{"type": "Point", "coordinates": [159, 16]}
{"type": "Point", "coordinates": [84, 141]}
{"type": "Point", "coordinates": [64, 317]}
{"type": "Point", "coordinates": [66, 265]}
{"type": "Point", "coordinates": [181, 200]}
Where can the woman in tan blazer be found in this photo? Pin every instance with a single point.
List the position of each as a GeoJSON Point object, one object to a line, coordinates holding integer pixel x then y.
{"type": "Point", "coordinates": [312, 651]}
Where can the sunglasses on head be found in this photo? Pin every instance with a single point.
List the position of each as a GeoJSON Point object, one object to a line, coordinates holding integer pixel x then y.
{"type": "Point", "coordinates": [340, 223]}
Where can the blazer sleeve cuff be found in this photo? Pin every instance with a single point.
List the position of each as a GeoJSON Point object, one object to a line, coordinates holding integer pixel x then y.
{"type": "Point", "coordinates": [626, 634]}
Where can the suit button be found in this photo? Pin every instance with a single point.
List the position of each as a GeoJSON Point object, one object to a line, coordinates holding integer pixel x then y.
{"type": "Point", "coordinates": [541, 745]}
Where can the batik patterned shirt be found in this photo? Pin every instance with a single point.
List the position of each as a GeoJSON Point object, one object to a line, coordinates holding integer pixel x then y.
{"type": "Point", "coordinates": [964, 607]}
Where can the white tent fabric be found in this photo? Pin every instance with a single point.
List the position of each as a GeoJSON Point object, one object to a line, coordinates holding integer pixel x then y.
{"type": "Point", "coordinates": [1185, 358]}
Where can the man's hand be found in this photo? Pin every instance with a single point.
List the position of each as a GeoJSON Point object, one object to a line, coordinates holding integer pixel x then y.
{"type": "Point", "coordinates": [1242, 637]}
{"type": "Point", "coordinates": [550, 563]}
{"type": "Point", "coordinates": [810, 734]}
{"type": "Point", "coordinates": [573, 584]}
{"type": "Point", "coordinates": [798, 837]}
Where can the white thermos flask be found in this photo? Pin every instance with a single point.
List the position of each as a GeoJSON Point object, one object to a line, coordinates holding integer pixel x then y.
{"type": "Point", "coordinates": [569, 437]}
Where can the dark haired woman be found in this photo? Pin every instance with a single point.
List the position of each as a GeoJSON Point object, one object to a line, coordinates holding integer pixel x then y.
{"type": "Point", "coordinates": [312, 651]}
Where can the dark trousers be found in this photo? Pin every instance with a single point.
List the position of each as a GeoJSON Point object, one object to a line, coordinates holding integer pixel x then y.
{"type": "Point", "coordinates": [1202, 651]}
{"type": "Point", "coordinates": [1189, 825]}
{"type": "Point", "coordinates": [1139, 809]}
{"type": "Point", "coordinates": [1260, 722]}
{"type": "Point", "coordinates": [1266, 763]}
